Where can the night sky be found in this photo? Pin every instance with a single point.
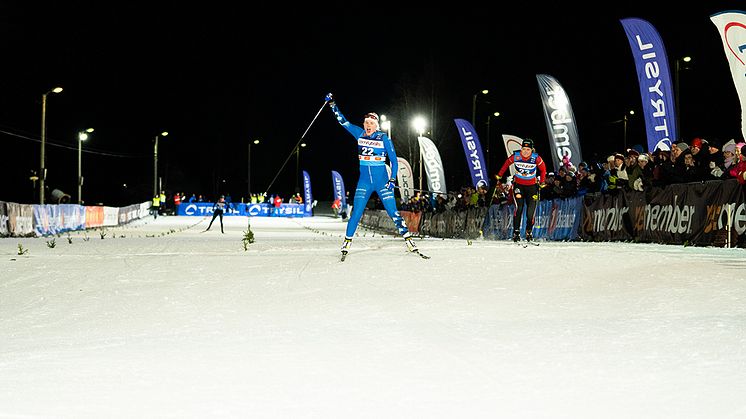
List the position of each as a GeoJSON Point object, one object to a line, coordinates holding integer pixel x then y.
{"type": "Point", "coordinates": [217, 77]}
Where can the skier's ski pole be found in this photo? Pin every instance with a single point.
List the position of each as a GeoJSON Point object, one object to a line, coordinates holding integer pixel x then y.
{"type": "Point", "coordinates": [296, 146]}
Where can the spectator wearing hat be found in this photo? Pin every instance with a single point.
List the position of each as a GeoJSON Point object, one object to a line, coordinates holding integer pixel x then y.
{"type": "Point", "coordinates": [661, 167]}
{"type": "Point", "coordinates": [634, 171]}
{"type": "Point", "coordinates": [606, 185]}
{"type": "Point", "coordinates": [569, 185]}
{"type": "Point", "coordinates": [737, 169]}
{"type": "Point", "coordinates": [618, 178]}
{"type": "Point", "coordinates": [731, 158]}
{"type": "Point", "coordinates": [645, 181]}
{"type": "Point", "coordinates": [701, 156]}
{"type": "Point", "coordinates": [526, 183]}
{"type": "Point", "coordinates": [714, 146]}
{"type": "Point", "coordinates": [691, 172]}
{"type": "Point", "coordinates": [583, 179]}
{"type": "Point", "coordinates": [675, 170]}
{"type": "Point", "coordinates": [595, 176]}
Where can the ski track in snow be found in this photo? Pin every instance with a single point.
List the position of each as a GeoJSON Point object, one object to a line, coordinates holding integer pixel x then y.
{"type": "Point", "coordinates": [160, 320]}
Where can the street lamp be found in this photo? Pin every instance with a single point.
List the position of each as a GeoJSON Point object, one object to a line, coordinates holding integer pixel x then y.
{"type": "Point", "coordinates": [489, 117]}
{"type": "Point", "coordinates": [43, 171]}
{"type": "Point", "coordinates": [677, 68]}
{"type": "Point", "coordinates": [386, 125]}
{"type": "Point", "coordinates": [474, 106]}
{"type": "Point", "coordinates": [625, 120]}
{"type": "Point", "coordinates": [248, 178]}
{"type": "Point", "coordinates": [419, 123]}
{"type": "Point", "coordinates": [155, 163]}
{"type": "Point", "coordinates": [297, 166]}
{"type": "Point", "coordinates": [82, 136]}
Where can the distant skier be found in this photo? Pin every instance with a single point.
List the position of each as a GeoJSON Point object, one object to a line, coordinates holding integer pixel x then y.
{"type": "Point", "coordinates": [373, 147]}
{"type": "Point", "coordinates": [217, 210]}
{"type": "Point", "coordinates": [525, 185]}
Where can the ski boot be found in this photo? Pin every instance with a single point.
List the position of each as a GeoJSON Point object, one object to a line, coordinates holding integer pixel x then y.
{"type": "Point", "coordinates": [516, 236]}
{"type": "Point", "coordinates": [346, 245]}
{"type": "Point", "coordinates": [410, 244]}
{"type": "Point", "coordinates": [529, 237]}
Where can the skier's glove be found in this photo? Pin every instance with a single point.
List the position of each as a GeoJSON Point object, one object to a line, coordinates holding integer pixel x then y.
{"type": "Point", "coordinates": [329, 99]}
{"type": "Point", "coordinates": [497, 178]}
{"type": "Point", "coordinates": [391, 183]}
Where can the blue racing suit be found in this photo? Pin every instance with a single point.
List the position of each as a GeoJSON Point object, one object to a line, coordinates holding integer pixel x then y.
{"type": "Point", "coordinates": [372, 153]}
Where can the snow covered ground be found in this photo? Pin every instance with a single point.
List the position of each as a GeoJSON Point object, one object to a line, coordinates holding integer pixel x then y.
{"type": "Point", "coordinates": [159, 320]}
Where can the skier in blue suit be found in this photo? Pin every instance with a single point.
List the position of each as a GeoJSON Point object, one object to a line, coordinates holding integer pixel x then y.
{"type": "Point", "coordinates": [373, 147]}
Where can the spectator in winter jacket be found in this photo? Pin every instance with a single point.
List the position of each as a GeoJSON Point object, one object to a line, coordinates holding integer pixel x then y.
{"type": "Point", "coordinates": [634, 171]}
{"type": "Point", "coordinates": [569, 185]}
{"type": "Point", "coordinates": [336, 207]}
{"type": "Point", "coordinates": [644, 182]}
{"type": "Point", "coordinates": [618, 178]}
{"type": "Point", "coordinates": [661, 164]}
{"type": "Point", "coordinates": [276, 204]}
{"type": "Point", "coordinates": [714, 146]}
{"type": "Point", "coordinates": [701, 155]}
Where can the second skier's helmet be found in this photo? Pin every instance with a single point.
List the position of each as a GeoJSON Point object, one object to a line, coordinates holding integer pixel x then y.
{"type": "Point", "coordinates": [528, 143]}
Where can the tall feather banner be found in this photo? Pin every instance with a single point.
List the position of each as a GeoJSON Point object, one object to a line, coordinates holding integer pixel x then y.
{"type": "Point", "coordinates": [654, 77]}
{"type": "Point", "coordinates": [563, 134]}
{"type": "Point", "coordinates": [732, 28]}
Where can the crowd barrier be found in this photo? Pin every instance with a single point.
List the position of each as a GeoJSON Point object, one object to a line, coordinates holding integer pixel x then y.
{"type": "Point", "coordinates": [703, 214]}
{"type": "Point", "coordinates": [20, 220]}
{"type": "Point", "coordinates": [255, 210]}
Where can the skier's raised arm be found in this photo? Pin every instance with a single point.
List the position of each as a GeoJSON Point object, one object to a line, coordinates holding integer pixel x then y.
{"type": "Point", "coordinates": [355, 130]}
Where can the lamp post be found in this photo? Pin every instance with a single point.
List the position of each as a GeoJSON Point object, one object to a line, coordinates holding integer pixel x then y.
{"type": "Point", "coordinates": [677, 68]}
{"type": "Point", "coordinates": [625, 121]}
{"type": "Point", "coordinates": [386, 125]}
{"type": "Point", "coordinates": [82, 136]}
{"type": "Point", "coordinates": [419, 124]}
{"type": "Point", "coordinates": [297, 166]}
{"type": "Point", "coordinates": [489, 117]}
{"type": "Point", "coordinates": [248, 177]}
{"type": "Point", "coordinates": [43, 171]}
{"type": "Point", "coordinates": [155, 163]}
{"type": "Point", "coordinates": [474, 106]}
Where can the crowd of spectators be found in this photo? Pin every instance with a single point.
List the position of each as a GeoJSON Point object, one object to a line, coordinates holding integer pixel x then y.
{"type": "Point", "coordinates": [699, 160]}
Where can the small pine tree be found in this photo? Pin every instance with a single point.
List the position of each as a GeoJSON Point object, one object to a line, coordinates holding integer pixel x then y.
{"type": "Point", "coordinates": [52, 243]}
{"type": "Point", "coordinates": [248, 238]}
{"type": "Point", "coordinates": [21, 250]}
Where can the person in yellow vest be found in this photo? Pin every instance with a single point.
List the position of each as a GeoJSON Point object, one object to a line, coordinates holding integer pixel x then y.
{"type": "Point", "coordinates": [162, 207]}
{"type": "Point", "coordinates": [156, 206]}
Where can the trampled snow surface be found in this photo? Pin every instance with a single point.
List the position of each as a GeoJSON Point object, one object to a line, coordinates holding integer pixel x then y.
{"type": "Point", "coordinates": [160, 320]}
